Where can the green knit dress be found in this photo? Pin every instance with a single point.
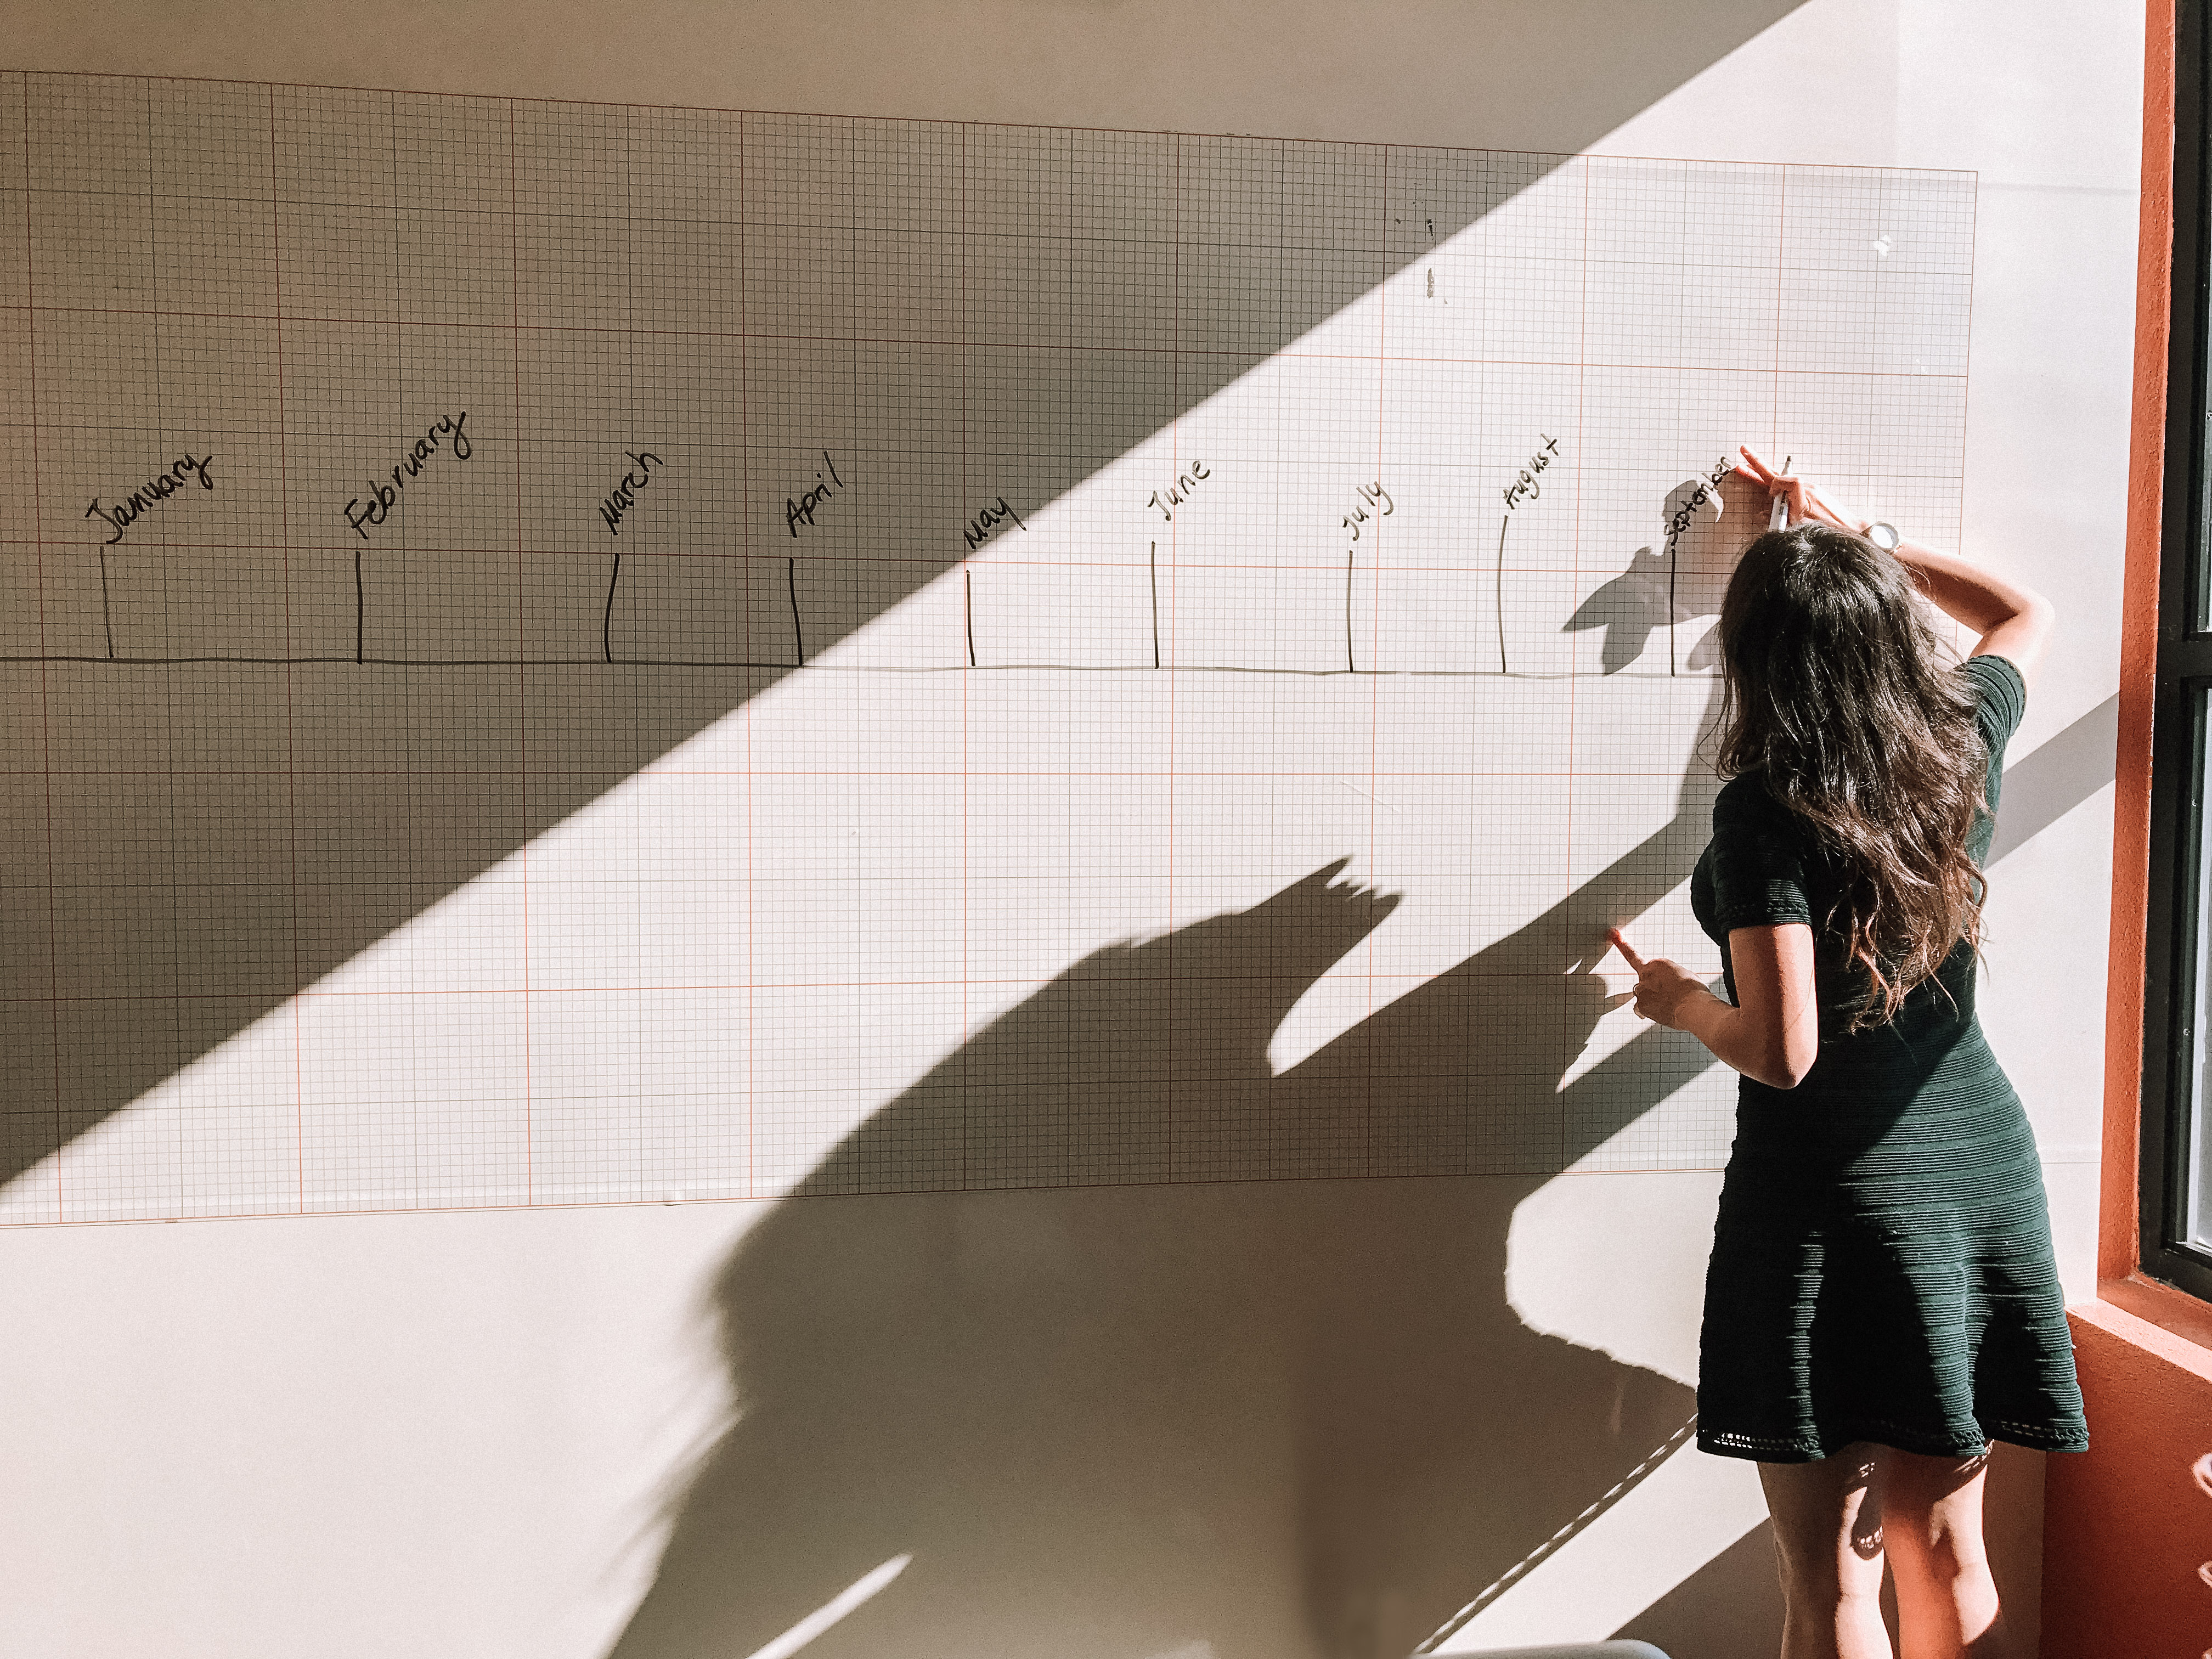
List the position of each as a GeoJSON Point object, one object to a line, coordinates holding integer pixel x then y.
{"type": "Point", "coordinates": [1882, 1266]}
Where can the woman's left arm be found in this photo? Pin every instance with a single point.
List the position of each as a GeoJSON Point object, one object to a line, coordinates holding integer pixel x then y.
{"type": "Point", "coordinates": [1773, 1034]}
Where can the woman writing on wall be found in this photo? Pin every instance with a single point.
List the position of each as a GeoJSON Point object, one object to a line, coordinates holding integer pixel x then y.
{"type": "Point", "coordinates": [1881, 1302]}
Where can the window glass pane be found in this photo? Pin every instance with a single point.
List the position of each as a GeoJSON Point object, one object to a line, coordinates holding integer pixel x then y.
{"type": "Point", "coordinates": [2195, 1146]}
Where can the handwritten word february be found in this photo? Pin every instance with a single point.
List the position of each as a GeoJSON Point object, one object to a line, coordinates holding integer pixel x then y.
{"type": "Point", "coordinates": [383, 497]}
{"type": "Point", "coordinates": [1525, 486]}
{"type": "Point", "coordinates": [623, 496]}
{"type": "Point", "coordinates": [159, 487]}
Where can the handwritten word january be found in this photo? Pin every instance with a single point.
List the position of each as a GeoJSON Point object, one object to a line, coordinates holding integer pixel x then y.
{"type": "Point", "coordinates": [1525, 486]}
{"type": "Point", "coordinates": [800, 508]}
{"type": "Point", "coordinates": [981, 526]}
{"type": "Point", "coordinates": [1688, 510]}
{"type": "Point", "coordinates": [623, 496]}
{"type": "Point", "coordinates": [1179, 492]}
{"type": "Point", "coordinates": [382, 496]}
{"type": "Point", "coordinates": [159, 487]}
{"type": "Point", "coordinates": [1368, 497]}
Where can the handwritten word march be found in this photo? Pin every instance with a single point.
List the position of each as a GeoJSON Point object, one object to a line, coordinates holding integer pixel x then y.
{"type": "Point", "coordinates": [446, 432]}
{"type": "Point", "coordinates": [156, 489]}
{"type": "Point", "coordinates": [623, 496]}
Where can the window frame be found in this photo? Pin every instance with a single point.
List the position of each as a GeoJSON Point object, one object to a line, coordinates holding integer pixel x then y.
{"type": "Point", "coordinates": [2179, 824]}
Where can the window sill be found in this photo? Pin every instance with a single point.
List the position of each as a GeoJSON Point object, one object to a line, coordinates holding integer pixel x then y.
{"type": "Point", "coordinates": [2157, 1318]}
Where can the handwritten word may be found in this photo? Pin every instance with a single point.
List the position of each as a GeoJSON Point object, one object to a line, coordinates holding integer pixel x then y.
{"type": "Point", "coordinates": [979, 527]}
{"type": "Point", "coordinates": [1525, 486]}
{"type": "Point", "coordinates": [157, 489]}
{"type": "Point", "coordinates": [798, 509]}
{"type": "Point", "coordinates": [1179, 492]}
{"type": "Point", "coordinates": [383, 497]}
{"type": "Point", "coordinates": [1688, 510]}
{"type": "Point", "coordinates": [623, 496]}
{"type": "Point", "coordinates": [1368, 497]}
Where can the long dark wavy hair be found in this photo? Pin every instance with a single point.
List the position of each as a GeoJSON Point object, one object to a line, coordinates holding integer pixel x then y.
{"type": "Point", "coordinates": [1839, 697]}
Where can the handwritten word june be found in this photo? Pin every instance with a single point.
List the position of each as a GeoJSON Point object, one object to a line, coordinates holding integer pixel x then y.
{"type": "Point", "coordinates": [1179, 492]}
{"type": "Point", "coordinates": [981, 526]}
{"type": "Point", "coordinates": [159, 487]}
{"type": "Point", "coordinates": [1368, 497]}
{"type": "Point", "coordinates": [798, 509]}
{"type": "Point", "coordinates": [1525, 486]}
{"type": "Point", "coordinates": [623, 496]}
{"type": "Point", "coordinates": [1688, 510]}
{"type": "Point", "coordinates": [382, 496]}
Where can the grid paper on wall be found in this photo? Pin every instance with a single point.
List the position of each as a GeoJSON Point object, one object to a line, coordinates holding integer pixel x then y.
{"type": "Point", "coordinates": [565, 652]}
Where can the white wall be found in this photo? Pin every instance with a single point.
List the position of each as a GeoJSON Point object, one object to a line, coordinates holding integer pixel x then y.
{"type": "Point", "coordinates": [456, 1433]}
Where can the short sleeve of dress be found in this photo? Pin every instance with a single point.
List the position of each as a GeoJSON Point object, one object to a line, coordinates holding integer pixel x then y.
{"type": "Point", "coordinates": [2003, 697]}
{"type": "Point", "coordinates": [1757, 859]}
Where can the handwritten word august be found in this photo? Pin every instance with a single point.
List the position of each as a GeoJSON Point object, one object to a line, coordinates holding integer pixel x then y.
{"type": "Point", "coordinates": [159, 487]}
{"type": "Point", "coordinates": [382, 495]}
{"type": "Point", "coordinates": [1525, 488]}
{"type": "Point", "coordinates": [1369, 497]}
{"type": "Point", "coordinates": [1179, 492]}
{"type": "Point", "coordinates": [623, 496]}
{"type": "Point", "coordinates": [801, 508]}
{"type": "Point", "coordinates": [1688, 510]}
{"type": "Point", "coordinates": [979, 527]}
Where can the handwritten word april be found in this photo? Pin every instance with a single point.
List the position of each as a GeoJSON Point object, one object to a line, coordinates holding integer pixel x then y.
{"type": "Point", "coordinates": [979, 527]}
{"type": "Point", "coordinates": [159, 487]}
{"type": "Point", "coordinates": [1369, 497]}
{"type": "Point", "coordinates": [797, 509]}
{"type": "Point", "coordinates": [1180, 491]}
{"type": "Point", "coordinates": [383, 495]}
{"type": "Point", "coordinates": [623, 496]}
{"type": "Point", "coordinates": [1525, 486]}
{"type": "Point", "coordinates": [1688, 510]}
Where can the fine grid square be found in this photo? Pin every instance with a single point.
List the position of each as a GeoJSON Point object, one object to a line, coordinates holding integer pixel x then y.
{"type": "Point", "coordinates": [1030, 766]}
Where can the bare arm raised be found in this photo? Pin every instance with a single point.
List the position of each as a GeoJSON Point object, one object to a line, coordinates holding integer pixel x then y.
{"type": "Point", "coordinates": [2012, 622]}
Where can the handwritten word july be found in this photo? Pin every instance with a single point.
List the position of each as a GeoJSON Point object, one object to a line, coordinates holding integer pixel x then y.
{"type": "Point", "coordinates": [1525, 486]}
{"type": "Point", "coordinates": [159, 487]}
{"type": "Point", "coordinates": [383, 495]}
{"type": "Point", "coordinates": [623, 496]}
{"type": "Point", "coordinates": [1368, 497]}
{"type": "Point", "coordinates": [1688, 510]}
{"type": "Point", "coordinates": [799, 509]}
{"type": "Point", "coordinates": [1179, 492]}
{"type": "Point", "coordinates": [979, 527]}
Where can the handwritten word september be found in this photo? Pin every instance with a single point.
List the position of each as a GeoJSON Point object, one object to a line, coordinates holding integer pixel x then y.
{"type": "Point", "coordinates": [981, 526]}
{"type": "Point", "coordinates": [157, 489]}
{"type": "Point", "coordinates": [1179, 492]}
{"type": "Point", "coordinates": [797, 509]}
{"type": "Point", "coordinates": [1368, 497]}
{"type": "Point", "coordinates": [623, 496]}
{"type": "Point", "coordinates": [382, 496]}
{"type": "Point", "coordinates": [1525, 486]}
{"type": "Point", "coordinates": [1688, 510]}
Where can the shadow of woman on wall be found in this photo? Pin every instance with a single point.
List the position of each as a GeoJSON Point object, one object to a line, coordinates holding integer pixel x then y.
{"type": "Point", "coordinates": [1140, 1350]}
{"type": "Point", "coordinates": [1154, 1409]}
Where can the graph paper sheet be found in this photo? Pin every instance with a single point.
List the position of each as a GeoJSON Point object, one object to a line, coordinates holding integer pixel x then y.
{"type": "Point", "coordinates": [563, 653]}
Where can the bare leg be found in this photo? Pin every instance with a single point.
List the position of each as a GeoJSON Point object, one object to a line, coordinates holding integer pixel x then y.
{"type": "Point", "coordinates": [1947, 1602]}
{"type": "Point", "coordinates": [1828, 1542]}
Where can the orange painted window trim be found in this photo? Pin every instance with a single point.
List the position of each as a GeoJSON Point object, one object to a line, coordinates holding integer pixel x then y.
{"type": "Point", "coordinates": [2119, 1199]}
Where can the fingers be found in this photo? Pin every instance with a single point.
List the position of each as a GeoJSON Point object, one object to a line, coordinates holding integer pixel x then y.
{"type": "Point", "coordinates": [1628, 952]}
